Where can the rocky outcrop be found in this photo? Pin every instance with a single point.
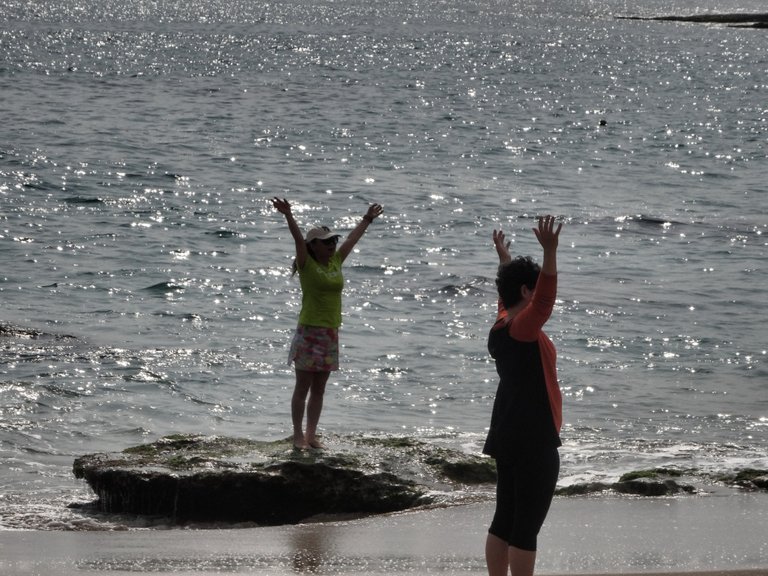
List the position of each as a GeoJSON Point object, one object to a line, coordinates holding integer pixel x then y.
{"type": "Point", "coordinates": [669, 482]}
{"type": "Point", "coordinates": [748, 479]}
{"type": "Point", "coordinates": [215, 479]}
{"type": "Point", "coordinates": [287, 492]}
{"type": "Point", "coordinates": [185, 479]}
{"type": "Point", "coordinates": [741, 19]}
{"type": "Point", "coordinates": [635, 487]}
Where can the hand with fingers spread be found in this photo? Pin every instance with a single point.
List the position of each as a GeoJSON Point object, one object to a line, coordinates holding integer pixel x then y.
{"type": "Point", "coordinates": [502, 246]}
{"type": "Point", "coordinates": [548, 236]}
{"type": "Point", "coordinates": [374, 211]}
{"type": "Point", "coordinates": [546, 232]}
{"type": "Point", "coordinates": [281, 205]}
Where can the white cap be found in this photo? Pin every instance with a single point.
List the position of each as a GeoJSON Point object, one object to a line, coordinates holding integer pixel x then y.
{"type": "Point", "coordinates": [322, 233]}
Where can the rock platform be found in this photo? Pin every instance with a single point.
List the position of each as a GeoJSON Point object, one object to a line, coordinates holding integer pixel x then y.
{"type": "Point", "coordinates": [212, 479]}
{"type": "Point", "coordinates": [190, 478]}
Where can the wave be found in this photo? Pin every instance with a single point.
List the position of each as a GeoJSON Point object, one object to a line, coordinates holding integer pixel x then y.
{"type": "Point", "coordinates": [223, 233]}
{"type": "Point", "coordinates": [9, 331]}
{"type": "Point", "coordinates": [167, 286]}
{"type": "Point", "coordinates": [82, 200]}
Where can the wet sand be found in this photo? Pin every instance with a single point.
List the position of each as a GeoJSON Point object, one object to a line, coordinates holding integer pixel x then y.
{"type": "Point", "coordinates": [710, 535]}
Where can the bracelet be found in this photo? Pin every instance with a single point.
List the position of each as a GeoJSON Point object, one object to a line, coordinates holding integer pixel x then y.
{"type": "Point", "coordinates": [368, 219]}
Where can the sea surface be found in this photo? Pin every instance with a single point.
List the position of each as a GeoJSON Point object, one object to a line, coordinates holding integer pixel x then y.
{"type": "Point", "coordinates": [145, 278]}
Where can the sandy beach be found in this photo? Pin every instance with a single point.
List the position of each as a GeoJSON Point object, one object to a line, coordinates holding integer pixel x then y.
{"type": "Point", "coordinates": [712, 535]}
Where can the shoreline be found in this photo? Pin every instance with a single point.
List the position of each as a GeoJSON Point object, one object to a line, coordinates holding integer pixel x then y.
{"type": "Point", "coordinates": [752, 572]}
{"type": "Point", "coordinates": [702, 536]}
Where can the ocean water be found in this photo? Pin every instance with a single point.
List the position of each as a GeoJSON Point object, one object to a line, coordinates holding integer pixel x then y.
{"type": "Point", "coordinates": [145, 277]}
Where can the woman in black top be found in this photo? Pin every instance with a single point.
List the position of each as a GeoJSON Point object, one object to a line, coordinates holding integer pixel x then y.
{"type": "Point", "coordinates": [527, 412]}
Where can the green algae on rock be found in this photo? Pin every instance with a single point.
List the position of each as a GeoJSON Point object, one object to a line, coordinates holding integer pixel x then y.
{"type": "Point", "coordinates": [669, 482]}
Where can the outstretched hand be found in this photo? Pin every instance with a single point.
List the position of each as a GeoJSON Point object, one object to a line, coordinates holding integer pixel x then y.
{"type": "Point", "coordinates": [374, 211]}
{"type": "Point", "coordinates": [546, 233]}
{"type": "Point", "coordinates": [502, 246]}
{"type": "Point", "coordinates": [282, 206]}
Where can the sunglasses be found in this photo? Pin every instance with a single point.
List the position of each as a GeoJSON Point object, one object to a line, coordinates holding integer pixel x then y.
{"type": "Point", "coordinates": [331, 241]}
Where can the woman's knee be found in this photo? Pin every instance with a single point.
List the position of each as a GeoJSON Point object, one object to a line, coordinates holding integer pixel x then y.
{"type": "Point", "coordinates": [524, 538]}
{"type": "Point", "coordinates": [319, 380]}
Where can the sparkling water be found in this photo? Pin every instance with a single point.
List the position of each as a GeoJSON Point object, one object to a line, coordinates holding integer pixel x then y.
{"type": "Point", "coordinates": [146, 283]}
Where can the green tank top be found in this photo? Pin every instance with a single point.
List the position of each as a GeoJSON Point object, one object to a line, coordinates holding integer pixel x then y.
{"type": "Point", "coordinates": [321, 293]}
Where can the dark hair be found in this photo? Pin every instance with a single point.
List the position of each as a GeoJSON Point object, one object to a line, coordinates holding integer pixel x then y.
{"type": "Point", "coordinates": [512, 276]}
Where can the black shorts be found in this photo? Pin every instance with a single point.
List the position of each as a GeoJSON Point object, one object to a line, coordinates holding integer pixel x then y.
{"type": "Point", "coordinates": [524, 490]}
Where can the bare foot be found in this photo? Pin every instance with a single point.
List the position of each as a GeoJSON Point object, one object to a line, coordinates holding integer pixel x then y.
{"type": "Point", "coordinates": [316, 444]}
{"type": "Point", "coordinates": [299, 443]}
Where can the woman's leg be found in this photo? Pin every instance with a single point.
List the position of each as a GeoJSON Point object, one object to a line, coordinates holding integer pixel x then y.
{"type": "Point", "coordinates": [304, 381]}
{"type": "Point", "coordinates": [315, 407]}
{"type": "Point", "coordinates": [521, 562]}
{"type": "Point", "coordinates": [496, 545]}
{"type": "Point", "coordinates": [503, 559]}
{"type": "Point", "coordinates": [524, 492]}
{"type": "Point", "coordinates": [496, 555]}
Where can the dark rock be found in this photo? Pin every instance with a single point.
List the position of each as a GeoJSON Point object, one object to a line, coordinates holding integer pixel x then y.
{"type": "Point", "coordinates": [462, 468]}
{"type": "Point", "coordinates": [761, 482]}
{"type": "Point", "coordinates": [472, 472]}
{"type": "Point", "coordinates": [207, 479]}
{"type": "Point", "coordinates": [759, 20]}
{"type": "Point", "coordinates": [653, 473]}
{"type": "Point", "coordinates": [748, 478]}
{"type": "Point", "coordinates": [648, 487]}
{"type": "Point", "coordinates": [583, 489]}
{"type": "Point", "coordinates": [654, 482]}
{"type": "Point", "coordinates": [279, 494]}
{"type": "Point", "coordinates": [16, 332]}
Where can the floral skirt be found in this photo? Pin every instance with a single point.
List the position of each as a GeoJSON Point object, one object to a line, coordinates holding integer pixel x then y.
{"type": "Point", "coordinates": [315, 349]}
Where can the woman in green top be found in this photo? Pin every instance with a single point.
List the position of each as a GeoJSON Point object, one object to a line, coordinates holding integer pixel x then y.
{"type": "Point", "coordinates": [315, 346]}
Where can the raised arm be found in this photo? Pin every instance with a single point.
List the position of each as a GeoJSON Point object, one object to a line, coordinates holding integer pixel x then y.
{"type": "Point", "coordinates": [502, 246]}
{"type": "Point", "coordinates": [374, 211]}
{"type": "Point", "coordinates": [535, 313]}
{"type": "Point", "coordinates": [284, 207]}
{"type": "Point", "coordinates": [548, 236]}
